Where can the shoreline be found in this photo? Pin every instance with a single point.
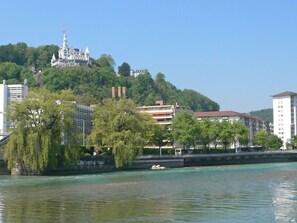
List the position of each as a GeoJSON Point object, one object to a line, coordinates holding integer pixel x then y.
{"type": "Point", "coordinates": [174, 161]}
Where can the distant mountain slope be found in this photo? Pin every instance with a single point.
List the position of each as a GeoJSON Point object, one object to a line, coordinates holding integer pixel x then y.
{"type": "Point", "coordinates": [92, 84]}
{"type": "Point", "coordinates": [265, 114]}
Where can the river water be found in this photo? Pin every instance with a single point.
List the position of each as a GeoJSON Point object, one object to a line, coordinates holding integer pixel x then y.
{"type": "Point", "coordinates": [239, 193]}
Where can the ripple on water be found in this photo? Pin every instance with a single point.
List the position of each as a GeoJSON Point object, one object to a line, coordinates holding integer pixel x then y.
{"type": "Point", "coordinates": [247, 193]}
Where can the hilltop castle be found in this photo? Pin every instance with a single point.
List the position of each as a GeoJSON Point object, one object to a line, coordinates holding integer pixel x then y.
{"type": "Point", "coordinates": [70, 56]}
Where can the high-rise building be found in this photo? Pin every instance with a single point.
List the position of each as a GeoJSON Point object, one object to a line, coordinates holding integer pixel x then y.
{"type": "Point", "coordinates": [69, 56]}
{"type": "Point", "coordinates": [284, 115]}
{"type": "Point", "coordinates": [9, 93]}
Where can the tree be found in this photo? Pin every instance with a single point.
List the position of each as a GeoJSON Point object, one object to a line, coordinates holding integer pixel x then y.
{"type": "Point", "coordinates": [206, 130]}
{"type": "Point", "coordinates": [226, 133]}
{"type": "Point", "coordinates": [241, 133]}
{"type": "Point", "coordinates": [41, 122]}
{"type": "Point", "coordinates": [275, 143]}
{"type": "Point", "coordinates": [161, 136]}
{"type": "Point", "coordinates": [105, 60]}
{"type": "Point", "coordinates": [120, 126]}
{"type": "Point", "coordinates": [261, 138]}
{"type": "Point", "coordinates": [124, 69]}
{"type": "Point", "coordinates": [215, 132]}
{"type": "Point", "coordinates": [185, 129]}
{"type": "Point", "coordinates": [294, 142]}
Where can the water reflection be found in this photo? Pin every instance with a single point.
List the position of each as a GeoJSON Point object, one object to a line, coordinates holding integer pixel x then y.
{"type": "Point", "coordinates": [255, 193]}
{"type": "Point", "coordinates": [285, 201]}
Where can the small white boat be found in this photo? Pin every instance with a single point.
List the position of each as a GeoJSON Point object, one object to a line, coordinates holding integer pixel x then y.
{"type": "Point", "coordinates": [158, 167]}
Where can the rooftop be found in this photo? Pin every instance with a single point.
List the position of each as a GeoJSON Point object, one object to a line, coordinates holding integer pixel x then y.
{"type": "Point", "coordinates": [222, 114]}
{"type": "Point", "coordinates": [284, 94]}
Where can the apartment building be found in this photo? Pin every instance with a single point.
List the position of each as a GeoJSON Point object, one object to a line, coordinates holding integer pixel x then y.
{"type": "Point", "coordinates": [254, 124]}
{"type": "Point", "coordinates": [284, 115]}
{"type": "Point", "coordinates": [163, 114]}
{"type": "Point", "coordinates": [9, 93]}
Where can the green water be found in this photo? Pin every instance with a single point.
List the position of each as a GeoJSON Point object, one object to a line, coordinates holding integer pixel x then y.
{"type": "Point", "coordinates": [247, 193]}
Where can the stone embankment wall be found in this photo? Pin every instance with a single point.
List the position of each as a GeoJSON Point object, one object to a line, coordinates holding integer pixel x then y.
{"type": "Point", "coordinates": [106, 164]}
{"type": "Point", "coordinates": [239, 158]}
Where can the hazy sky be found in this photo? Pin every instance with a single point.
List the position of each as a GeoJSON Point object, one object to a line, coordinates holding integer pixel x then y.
{"type": "Point", "coordinates": [236, 52]}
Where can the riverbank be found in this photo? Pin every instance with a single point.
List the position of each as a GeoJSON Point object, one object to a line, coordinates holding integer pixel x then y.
{"type": "Point", "coordinates": [94, 165]}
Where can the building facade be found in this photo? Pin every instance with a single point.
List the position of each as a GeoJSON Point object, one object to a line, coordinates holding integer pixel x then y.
{"type": "Point", "coordinates": [163, 114]}
{"type": "Point", "coordinates": [136, 73]}
{"type": "Point", "coordinates": [69, 56]}
{"type": "Point", "coordinates": [82, 121]}
{"type": "Point", "coordinates": [253, 124]}
{"type": "Point", "coordinates": [8, 94]}
{"type": "Point", "coordinates": [284, 115]}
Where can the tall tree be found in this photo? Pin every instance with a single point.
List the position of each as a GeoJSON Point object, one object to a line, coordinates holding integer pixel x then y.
{"type": "Point", "coordinates": [124, 69]}
{"type": "Point", "coordinates": [241, 133]}
{"type": "Point", "coordinates": [261, 138]}
{"type": "Point", "coordinates": [120, 126]}
{"type": "Point", "coordinates": [275, 143]}
{"type": "Point", "coordinates": [185, 129]}
{"type": "Point", "coordinates": [226, 133]}
{"type": "Point", "coordinates": [41, 123]}
{"type": "Point", "coordinates": [161, 136]}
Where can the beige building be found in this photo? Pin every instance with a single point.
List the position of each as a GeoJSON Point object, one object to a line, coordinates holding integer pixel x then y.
{"type": "Point", "coordinates": [163, 114]}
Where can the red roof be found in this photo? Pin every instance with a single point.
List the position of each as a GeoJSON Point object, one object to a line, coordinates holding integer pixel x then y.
{"type": "Point", "coordinates": [286, 93]}
{"type": "Point", "coordinates": [217, 114]}
{"type": "Point", "coordinates": [223, 114]}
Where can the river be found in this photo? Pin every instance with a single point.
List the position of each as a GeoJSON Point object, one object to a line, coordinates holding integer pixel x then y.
{"type": "Point", "coordinates": [239, 193]}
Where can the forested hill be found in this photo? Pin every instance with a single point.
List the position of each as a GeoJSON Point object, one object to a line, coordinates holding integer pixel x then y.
{"type": "Point", "coordinates": [265, 114]}
{"type": "Point", "coordinates": [92, 84]}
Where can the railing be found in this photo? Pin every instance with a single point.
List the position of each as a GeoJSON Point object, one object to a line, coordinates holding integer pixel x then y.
{"type": "Point", "coordinates": [4, 140]}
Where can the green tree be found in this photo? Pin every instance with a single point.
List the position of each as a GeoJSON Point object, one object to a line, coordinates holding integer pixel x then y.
{"type": "Point", "coordinates": [105, 60]}
{"type": "Point", "coordinates": [241, 133]}
{"type": "Point", "coordinates": [161, 136]}
{"type": "Point", "coordinates": [124, 69]}
{"type": "Point", "coordinates": [206, 131]}
{"type": "Point", "coordinates": [261, 138]}
{"type": "Point", "coordinates": [275, 143]}
{"type": "Point", "coordinates": [120, 126]}
{"type": "Point", "coordinates": [185, 129]}
{"type": "Point", "coordinates": [215, 132]}
{"type": "Point", "coordinates": [294, 142]}
{"type": "Point", "coordinates": [41, 123]}
{"type": "Point", "coordinates": [226, 133]}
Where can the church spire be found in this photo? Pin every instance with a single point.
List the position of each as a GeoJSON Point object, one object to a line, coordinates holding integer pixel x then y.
{"type": "Point", "coordinates": [65, 40]}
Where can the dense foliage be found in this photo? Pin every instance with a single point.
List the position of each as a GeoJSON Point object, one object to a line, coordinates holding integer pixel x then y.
{"type": "Point", "coordinates": [266, 141]}
{"type": "Point", "coordinates": [92, 84]}
{"type": "Point", "coordinates": [190, 132]}
{"type": "Point", "coordinates": [120, 126]}
{"type": "Point", "coordinates": [41, 122]}
{"type": "Point", "coordinates": [265, 114]}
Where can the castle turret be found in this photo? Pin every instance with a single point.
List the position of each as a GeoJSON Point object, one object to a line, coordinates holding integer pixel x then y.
{"type": "Point", "coordinates": [65, 46]}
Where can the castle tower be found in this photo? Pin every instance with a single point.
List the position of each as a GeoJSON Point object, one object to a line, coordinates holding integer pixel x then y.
{"type": "Point", "coordinates": [65, 46]}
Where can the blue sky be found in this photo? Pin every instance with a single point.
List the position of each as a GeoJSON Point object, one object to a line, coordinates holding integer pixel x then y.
{"type": "Point", "coordinates": [238, 53]}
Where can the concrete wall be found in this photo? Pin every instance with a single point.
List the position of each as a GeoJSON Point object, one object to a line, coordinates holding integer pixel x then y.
{"type": "Point", "coordinates": [146, 162]}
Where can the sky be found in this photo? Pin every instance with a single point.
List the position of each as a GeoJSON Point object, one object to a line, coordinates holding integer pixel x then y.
{"type": "Point", "coordinates": [236, 52]}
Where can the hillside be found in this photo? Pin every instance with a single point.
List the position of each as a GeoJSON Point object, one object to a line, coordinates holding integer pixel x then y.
{"type": "Point", "coordinates": [265, 114]}
{"type": "Point", "coordinates": [92, 84]}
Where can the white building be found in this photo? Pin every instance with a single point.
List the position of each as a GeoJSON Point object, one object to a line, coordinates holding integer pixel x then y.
{"type": "Point", "coordinates": [9, 93]}
{"type": "Point", "coordinates": [284, 115]}
{"type": "Point", "coordinates": [69, 56]}
{"type": "Point", "coordinates": [136, 73]}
